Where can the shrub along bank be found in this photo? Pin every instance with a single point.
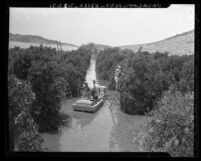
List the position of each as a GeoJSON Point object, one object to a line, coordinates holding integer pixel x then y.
{"type": "Point", "coordinates": [160, 86]}
{"type": "Point", "coordinates": [145, 76]}
{"type": "Point", "coordinates": [46, 73]}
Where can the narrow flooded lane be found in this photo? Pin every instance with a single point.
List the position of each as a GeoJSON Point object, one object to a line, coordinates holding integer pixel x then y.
{"type": "Point", "coordinates": [103, 131]}
{"type": "Point", "coordinates": [91, 73]}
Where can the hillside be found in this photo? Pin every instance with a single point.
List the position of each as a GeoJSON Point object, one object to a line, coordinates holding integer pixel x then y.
{"type": "Point", "coordinates": [179, 44]}
{"type": "Point", "coordinates": [34, 39]}
{"type": "Point", "coordinates": [101, 46]}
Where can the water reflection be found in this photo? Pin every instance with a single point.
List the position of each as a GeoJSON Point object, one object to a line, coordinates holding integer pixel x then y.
{"type": "Point", "coordinates": [83, 118]}
{"type": "Point", "coordinates": [126, 128]}
{"type": "Point", "coordinates": [91, 73]}
{"type": "Point", "coordinates": [87, 133]}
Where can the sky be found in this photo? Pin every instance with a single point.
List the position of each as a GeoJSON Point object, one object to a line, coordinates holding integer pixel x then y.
{"type": "Point", "coordinates": [108, 26]}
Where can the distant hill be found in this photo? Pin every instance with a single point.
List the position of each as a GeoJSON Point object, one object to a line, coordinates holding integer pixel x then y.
{"type": "Point", "coordinates": [179, 44]}
{"type": "Point", "coordinates": [101, 46]}
{"type": "Point", "coordinates": [34, 39]}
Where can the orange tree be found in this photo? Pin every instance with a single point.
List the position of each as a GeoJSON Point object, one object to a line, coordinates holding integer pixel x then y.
{"type": "Point", "coordinates": [48, 72]}
{"type": "Point", "coordinates": [142, 84]}
{"type": "Point", "coordinates": [107, 61]}
{"type": "Point", "coordinates": [171, 127]}
{"type": "Point", "coordinates": [23, 131]}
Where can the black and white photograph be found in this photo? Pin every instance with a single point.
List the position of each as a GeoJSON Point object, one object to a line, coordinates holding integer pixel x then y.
{"type": "Point", "coordinates": [101, 79]}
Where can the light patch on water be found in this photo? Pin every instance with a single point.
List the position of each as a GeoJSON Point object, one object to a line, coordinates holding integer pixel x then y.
{"type": "Point", "coordinates": [91, 73]}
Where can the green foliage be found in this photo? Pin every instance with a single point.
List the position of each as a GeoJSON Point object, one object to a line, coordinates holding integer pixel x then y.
{"type": "Point", "coordinates": [142, 84]}
{"type": "Point", "coordinates": [23, 132]}
{"type": "Point", "coordinates": [186, 82]}
{"type": "Point", "coordinates": [171, 126]}
{"type": "Point", "coordinates": [74, 66]}
{"type": "Point", "coordinates": [49, 89]}
{"type": "Point", "coordinates": [49, 71]}
{"type": "Point", "coordinates": [146, 76]}
{"type": "Point", "coordinates": [111, 85]}
{"type": "Point", "coordinates": [161, 86]}
{"type": "Point", "coordinates": [21, 66]}
{"type": "Point", "coordinates": [107, 61]}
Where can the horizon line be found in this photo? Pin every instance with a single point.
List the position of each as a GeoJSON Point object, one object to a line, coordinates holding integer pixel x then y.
{"type": "Point", "coordinates": [107, 44]}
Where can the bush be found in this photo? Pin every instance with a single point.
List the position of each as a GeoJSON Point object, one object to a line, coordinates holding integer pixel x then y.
{"type": "Point", "coordinates": [21, 66]}
{"type": "Point", "coordinates": [49, 72]}
{"type": "Point", "coordinates": [111, 85]}
{"type": "Point", "coordinates": [146, 76]}
{"type": "Point", "coordinates": [49, 89]}
{"type": "Point", "coordinates": [171, 126]}
{"type": "Point", "coordinates": [74, 66]}
{"type": "Point", "coordinates": [23, 131]}
{"type": "Point", "coordinates": [107, 61]}
{"type": "Point", "coordinates": [142, 85]}
{"type": "Point", "coordinates": [186, 82]}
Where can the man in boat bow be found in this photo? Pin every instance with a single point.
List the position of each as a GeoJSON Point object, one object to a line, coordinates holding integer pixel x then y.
{"type": "Point", "coordinates": [86, 90]}
{"type": "Point", "coordinates": [94, 91]}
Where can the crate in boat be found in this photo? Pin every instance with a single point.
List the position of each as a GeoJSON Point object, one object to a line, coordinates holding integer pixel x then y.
{"type": "Point", "coordinates": [87, 105]}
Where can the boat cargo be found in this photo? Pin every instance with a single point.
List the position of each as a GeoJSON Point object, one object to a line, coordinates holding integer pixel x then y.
{"type": "Point", "coordinates": [87, 105]}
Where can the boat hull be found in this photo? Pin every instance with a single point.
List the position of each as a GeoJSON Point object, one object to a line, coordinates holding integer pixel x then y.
{"type": "Point", "coordinates": [87, 107]}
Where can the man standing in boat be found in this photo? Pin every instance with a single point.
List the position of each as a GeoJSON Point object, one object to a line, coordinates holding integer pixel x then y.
{"type": "Point", "coordinates": [94, 92]}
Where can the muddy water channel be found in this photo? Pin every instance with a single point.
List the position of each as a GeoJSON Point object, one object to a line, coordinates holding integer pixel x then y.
{"type": "Point", "coordinates": [103, 131]}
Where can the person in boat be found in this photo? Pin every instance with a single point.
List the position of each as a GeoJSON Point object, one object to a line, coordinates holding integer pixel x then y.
{"type": "Point", "coordinates": [86, 90]}
{"type": "Point", "coordinates": [94, 91]}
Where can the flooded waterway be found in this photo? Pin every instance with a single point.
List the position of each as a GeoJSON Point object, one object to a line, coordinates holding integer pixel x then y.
{"type": "Point", "coordinates": [103, 131]}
